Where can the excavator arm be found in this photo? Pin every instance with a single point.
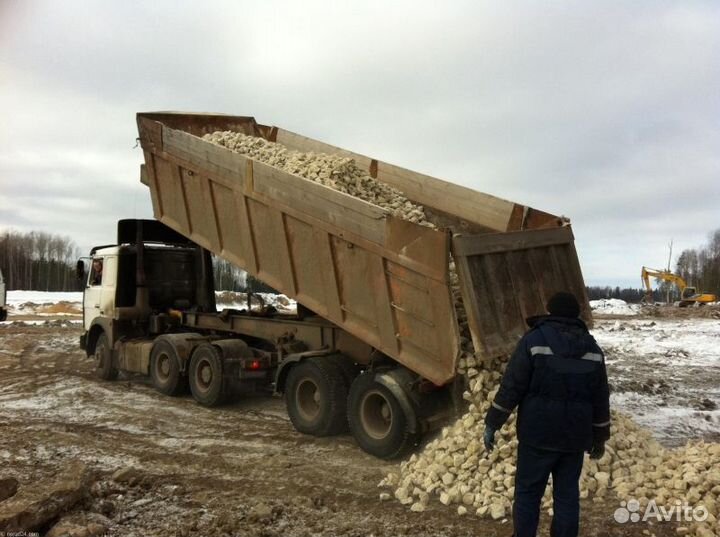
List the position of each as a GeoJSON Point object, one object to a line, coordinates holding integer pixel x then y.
{"type": "Point", "coordinates": [645, 276]}
{"type": "Point", "coordinates": [664, 275]}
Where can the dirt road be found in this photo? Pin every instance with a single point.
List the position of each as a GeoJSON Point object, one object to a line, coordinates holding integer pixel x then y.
{"type": "Point", "coordinates": [236, 470]}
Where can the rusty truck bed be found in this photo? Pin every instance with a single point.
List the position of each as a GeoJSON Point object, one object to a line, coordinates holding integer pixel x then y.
{"type": "Point", "coordinates": [382, 279]}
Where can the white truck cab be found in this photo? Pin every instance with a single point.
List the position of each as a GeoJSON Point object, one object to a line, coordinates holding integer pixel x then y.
{"type": "Point", "coordinates": [99, 295]}
{"type": "Point", "coordinates": [3, 299]}
{"type": "Point", "coordinates": [131, 286]}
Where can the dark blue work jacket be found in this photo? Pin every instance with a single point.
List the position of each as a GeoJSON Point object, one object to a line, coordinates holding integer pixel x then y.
{"type": "Point", "coordinates": [557, 378]}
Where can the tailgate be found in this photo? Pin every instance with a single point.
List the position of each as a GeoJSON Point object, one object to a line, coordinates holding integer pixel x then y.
{"type": "Point", "coordinates": [508, 277]}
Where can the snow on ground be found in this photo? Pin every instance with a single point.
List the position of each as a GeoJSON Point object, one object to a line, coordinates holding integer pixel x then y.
{"type": "Point", "coordinates": [238, 301]}
{"type": "Point", "coordinates": [680, 343]}
{"type": "Point", "coordinates": [40, 302]}
{"type": "Point", "coordinates": [16, 298]}
{"type": "Point", "coordinates": [44, 304]}
{"type": "Point", "coordinates": [614, 306]}
{"type": "Point", "coordinates": [666, 374]}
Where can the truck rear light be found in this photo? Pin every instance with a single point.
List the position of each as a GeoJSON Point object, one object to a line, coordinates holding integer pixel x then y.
{"type": "Point", "coordinates": [254, 364]}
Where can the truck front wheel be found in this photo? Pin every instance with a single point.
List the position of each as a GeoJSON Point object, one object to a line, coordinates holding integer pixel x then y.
{"type": "Point", "coordinates": [377, 420]}
{"type": "Point", "coordinates": [165, 369]}
{"type": "Point", "coordinates": [206, 375]}
{"type": "Point", "coordinates": [103, 359]}
{"type": "Point", "coordinates": [316, 395]}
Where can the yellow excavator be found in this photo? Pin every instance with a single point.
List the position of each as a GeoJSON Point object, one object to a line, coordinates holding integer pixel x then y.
{"type": "Point", "coordinates": [688, 295]}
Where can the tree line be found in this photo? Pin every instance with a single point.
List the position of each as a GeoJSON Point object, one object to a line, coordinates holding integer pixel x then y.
{"type": "Point", "coordinates": [628, 294]}
{"type": "Point", "coordinates": [38, 261]}
{"type": "Point", "coordinates": [700, 267]}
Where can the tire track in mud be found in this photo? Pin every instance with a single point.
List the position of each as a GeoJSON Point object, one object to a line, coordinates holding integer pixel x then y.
{"type": "Point", "coordinates": [193, 433]}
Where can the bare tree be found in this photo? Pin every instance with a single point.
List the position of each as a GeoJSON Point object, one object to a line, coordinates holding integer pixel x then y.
{"type": "Point", "coordinates": [701, 267]}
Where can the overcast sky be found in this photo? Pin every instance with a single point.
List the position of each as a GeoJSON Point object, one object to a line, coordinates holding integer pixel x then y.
{"type": "Point", "coordinates": [606, 112]}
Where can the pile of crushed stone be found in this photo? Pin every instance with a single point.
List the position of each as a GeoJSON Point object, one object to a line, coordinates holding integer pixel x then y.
{"type": "Point", "coordinates": [336, 172]}
{"type": "Point", "coordinates": [455, 469]}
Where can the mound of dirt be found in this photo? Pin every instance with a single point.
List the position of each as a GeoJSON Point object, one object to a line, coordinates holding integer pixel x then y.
{"type": "Point", "coordinates": [32, 507]}
{"type": "Point", "coordinates": [675, 312]}
{"type": "Point", "coordinates": [60, 308]}
{"type": "Point", "coordinates": [26, 306]}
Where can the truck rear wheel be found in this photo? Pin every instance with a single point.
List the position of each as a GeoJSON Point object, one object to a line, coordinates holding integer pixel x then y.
{"type": "Point", "coordinates": [103, 359]}
{"type": "Point", "coordinates": [206, 375]}
{"type": "Point", "coordinates": [165, 369]}
{"type": "Point", "coordinates": [377, 421]}
{"type": "Point", "coordinates": [316, 396]}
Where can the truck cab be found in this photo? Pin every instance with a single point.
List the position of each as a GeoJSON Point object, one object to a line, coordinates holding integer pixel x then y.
{"type": "Point", "coordinates": [130, 288]}
{"type": "Point", "coordinates": [100, 286]}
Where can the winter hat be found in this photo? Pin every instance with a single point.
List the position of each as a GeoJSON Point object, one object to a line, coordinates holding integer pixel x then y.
{"type": "Point", "coordinates": [563, 305]}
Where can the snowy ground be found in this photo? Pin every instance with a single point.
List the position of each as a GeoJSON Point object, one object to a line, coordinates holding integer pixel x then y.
{"type": "Point", "coordinates": [44, 304]}
{"type": "Point", "coordinates": [666, 374]}
{"type": "Point", "coordinates": [16, 298]}
{"type": "Point", "coordinates": [238, 300]}
{"type": "Point", "coordinates": [50, 304]}
{"type": "Point", "coordinates": [614, 306]}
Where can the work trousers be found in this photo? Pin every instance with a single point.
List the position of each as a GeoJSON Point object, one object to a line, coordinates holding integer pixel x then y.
{"type": "Point", "coordinates": [534, 466]}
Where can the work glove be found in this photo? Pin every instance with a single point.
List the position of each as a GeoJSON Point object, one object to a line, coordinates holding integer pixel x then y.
{"type": "Point", "coordinates": [489, 439]}
{"type": "Point", "coordinates": [597, 450]}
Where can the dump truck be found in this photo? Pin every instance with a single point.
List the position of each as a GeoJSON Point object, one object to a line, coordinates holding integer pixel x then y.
{"type": "Point", "coordinates": [3, 299]}
{"type": "Point", "coordinates": [374, 345]}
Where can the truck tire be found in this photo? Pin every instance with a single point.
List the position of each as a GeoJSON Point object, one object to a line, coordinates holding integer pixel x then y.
{"type": "Point", "coordinates": [205, 375]}
{"type": "Point", "coordinates": [3, 314]}
{"type": "Point", "coordinates": [165, 369]}
{"type": "Point", "coordinates": [316, 397]}
{"type": "Point", "coordinates": [104, 368]}
{"type": "Point", "coordinates": [377, 421]}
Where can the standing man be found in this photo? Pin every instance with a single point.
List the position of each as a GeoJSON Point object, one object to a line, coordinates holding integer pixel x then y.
{"type": "Point", "coordinates": [557, 377]}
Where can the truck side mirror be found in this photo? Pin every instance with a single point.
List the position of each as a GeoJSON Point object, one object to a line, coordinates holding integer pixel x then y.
{"type": "Point", "coordinates": [80, 270]}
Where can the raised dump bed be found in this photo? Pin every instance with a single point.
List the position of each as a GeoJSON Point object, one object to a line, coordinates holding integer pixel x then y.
{"type": "Point", "coordinates": [381, 278]}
